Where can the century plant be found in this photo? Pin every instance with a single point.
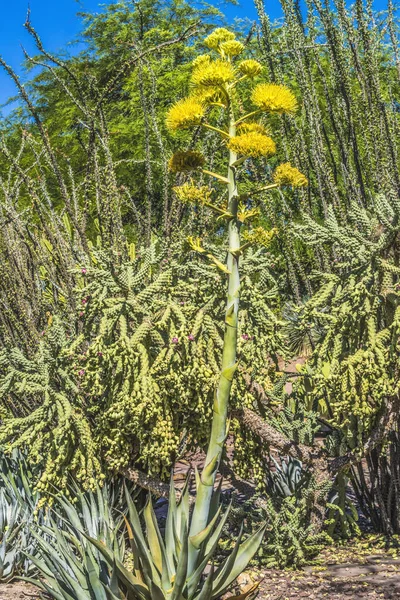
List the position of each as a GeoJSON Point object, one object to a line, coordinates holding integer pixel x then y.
{"type": "Point", "coordinates": [214, 88]}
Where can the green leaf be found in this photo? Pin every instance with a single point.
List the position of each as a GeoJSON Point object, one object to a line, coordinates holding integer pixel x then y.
{"type": "Point", "coordinates": [237, 562]}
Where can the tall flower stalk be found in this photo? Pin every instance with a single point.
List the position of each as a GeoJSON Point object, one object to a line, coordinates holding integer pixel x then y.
{"type": "Point", "coordinates": [215, 85]}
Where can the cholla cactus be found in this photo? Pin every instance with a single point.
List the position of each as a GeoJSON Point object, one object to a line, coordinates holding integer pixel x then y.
{"type": "Point", "coordinates": [215, 82]}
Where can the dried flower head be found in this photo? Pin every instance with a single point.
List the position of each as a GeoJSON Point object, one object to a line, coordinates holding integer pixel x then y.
{"type": "Point", "coordinates": [214, 73]}
{"type": "Point", "coordinates": [185, 113]}
{"type": "Point", "coordinates": [260, 236]}
{"type": "Point", "coordinates": [285, 174]}
{"type": "Point", "coordinates": [201, 60]}
{"type": "Point", "coordinates": [257, 127]}
{"type": "Point", "coordinates": [252, 144]}
{"type": "Point", "coordinates": [274, 98]}
{"type": "Point", "coordinates": [188, 160]}
{"type": "Point", "coordinates": [250, 67]}
{"type": "Point", "coordinates": [231, 48]}
{"type": "Point", "coordinates": [191, 194]}
{"type": "Point", "coordinates": [218, 36]}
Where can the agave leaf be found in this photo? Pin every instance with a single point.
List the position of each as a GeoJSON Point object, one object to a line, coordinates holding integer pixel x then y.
{"type": "Point", "coordinates": [194, 579]}
{"type": "Point", "coordinates": [128, 578]}
{"type": "Point", "coordinates": [71, 513]}
{"type": "Point", "coordinates": [206, 591]}
{"type": "Point", "coordinates": [95, 580]}
{"type": "Point", "coordinates": [149, 570]}
{"type": "Point", "coordinates": [198, 480]}
{"type": "Point", "coordinates": [153, 535]}
{"type": "Point", "coordinates": [114, 582]}
{"type": "Point", "coordinates": [215, 500]}
{"type": "Point", "coordinates": [208, 471]}
{"type": "Point", "coordinates": [55, 594]}
{"type": "Point", "coordinates": [181, 569]}
{"type": "Point", "coordinates": [41, 565]}
{"type": "Point", "coordinates": [182, 511]}
{"type": "Point", "coordinates": [230, 569]}
{"type": "Point", "coordinates": [169, 528]}
{"type": "Point", "coordinates": [155, 540]}
{"type": "Point", "coordinates": [135, 550]}
{"type": "Point", "coordinates": [213, 541]}
{"type": "Point", "coordinates": [201, 537]}
{"type": "Point", "coordinates": [100, 502]}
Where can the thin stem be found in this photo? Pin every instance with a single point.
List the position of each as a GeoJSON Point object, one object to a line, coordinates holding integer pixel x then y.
{"type": "Point", "coordinates": [251, 114]}
{"type": "Point", "coordinates": [271, 186]}
{"type": "Point", "coordinates": [220, 131]}
{"type": "Point", "coordinates": [216, 175]}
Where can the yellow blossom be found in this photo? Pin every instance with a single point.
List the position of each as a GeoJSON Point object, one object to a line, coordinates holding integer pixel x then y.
{"type": "Point", "coordinates": [231, 48]}
{"type": "Point", "coordinates": [258, 127]}
{"type": "Point", "coordinates": [200, 60]}
{"type": "Point", "coordinates": [214, 73]}
{"type": "Point", "coordinates": [245, 213]}
{"type": "Point", "coordinates": [285, 174]}
{"type": "Point", "coordinates": [260, 236]}
{"type": "Point", "coordinates": [209, 94]}
{"type": "Point", "coordinates": [274, 98]}
{"type": "Point", "coordinates": [195, 244]}
{"type": "Point", "coordinates": [185, 113]}
{"type": "Point", "coordinates": [250, 67]}
{"type": "Point", "coordinates": [252, 144]}
{"type": "Point", "coordinates": [188, 160]}
{"type": "Point", "coordinates": [191, 194]}
{"type": "Point", "coordinates": [217, 36]}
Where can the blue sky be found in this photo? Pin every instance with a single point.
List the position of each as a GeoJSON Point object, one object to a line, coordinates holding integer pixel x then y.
{"type": "Point", "coordinates": [57, 24]}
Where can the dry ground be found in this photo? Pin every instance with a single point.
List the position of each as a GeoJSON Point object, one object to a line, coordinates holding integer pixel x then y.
{"type": "Point", "coordinates": [366, 578]}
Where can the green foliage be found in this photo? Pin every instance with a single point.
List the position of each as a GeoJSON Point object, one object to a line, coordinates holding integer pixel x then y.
{"type": "Point", "coordinates": [160, 567]}
{"type": "Point", "coordinates": [354, 368]}
{"type": "Point", "coordinates": [286, 479]}
{"type": "Point", "coordinates": [70, 567]}
{"type": "Point", "coordinates": [152, 327]}
{"type": "Point", "coordinates": [17, 505]}
{"type": "Point", "coordinates": [85, 558]}
{"type": "Point", "coordinates": [138, 381]}
{"type": "Point", "coordinates": [290, 540]}
{"type": "Point", "coordinates": [53, 427]}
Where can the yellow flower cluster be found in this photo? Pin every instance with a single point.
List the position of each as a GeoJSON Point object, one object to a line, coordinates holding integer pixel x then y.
{"type": "Point", "coordinates": [208, 94]}
{"type": "Point", "coordinates": [257, 127]}
{"type": "Point", "coordinates": [274, 98]}
{"type": "Point", "coordinates": [191, 194]}
{"type": "Point", "coordinates": [188, 160]}
{"type": "Point", "coordinates": [260, 236]}
{"type": "Point", "coordinates": [285, 174]}
{"type": "Point", "coordinates": [250, 67]}
{"type": "Point", "coordinates": [213, 73]}
{"type": "Point", "coordinates": [201, 60]}
{"type": "Point", "coordinates": [185, 113]}
{"type": "Point", "coordinates": [252, 144]}
{"type": "Point", "coordinates": [218, 36]}
{"type": "Point", "coordinates": [231, 48]}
